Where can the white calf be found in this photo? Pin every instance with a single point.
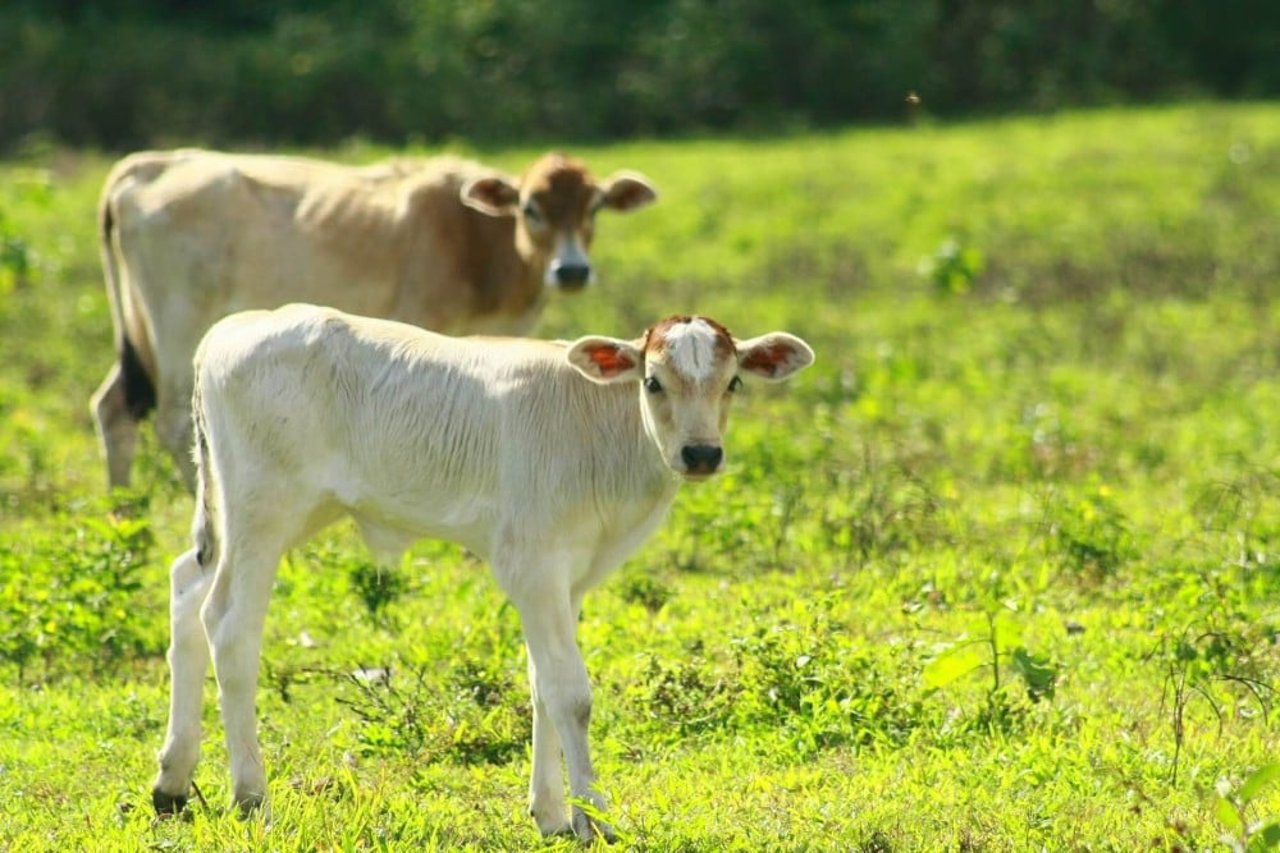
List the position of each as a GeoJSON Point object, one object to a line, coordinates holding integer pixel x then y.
{"type": "Point", "coordinates": [305, 414]}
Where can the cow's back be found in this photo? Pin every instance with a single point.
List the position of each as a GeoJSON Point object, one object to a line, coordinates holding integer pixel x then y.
{"type": "Point", "coordinates": [204, 234]}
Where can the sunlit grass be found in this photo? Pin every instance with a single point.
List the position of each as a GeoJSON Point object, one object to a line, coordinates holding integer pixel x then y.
{"type": "Point", "coordinates": [1040, 434]}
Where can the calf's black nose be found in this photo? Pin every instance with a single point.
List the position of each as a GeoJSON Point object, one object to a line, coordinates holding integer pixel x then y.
{"type": "Point", "coordinates": [571, 275]}
{"type": "Point", "coordinates": [701, 458]}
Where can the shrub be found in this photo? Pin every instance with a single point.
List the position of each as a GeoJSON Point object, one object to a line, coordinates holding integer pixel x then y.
{"type": "Point", "coordinates": [69, 599]}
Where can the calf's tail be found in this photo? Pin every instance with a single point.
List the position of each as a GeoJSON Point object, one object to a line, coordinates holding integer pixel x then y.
{"type": "Point", "coordinates": [203, 528]}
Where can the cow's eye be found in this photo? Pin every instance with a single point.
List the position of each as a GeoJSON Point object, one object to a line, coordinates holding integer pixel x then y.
{"type": "Point", "coordinates": [734, 384]}
{"type": "Point", "coordinates": [531, 212]}
{"type": "Point", "coordinates": [652, 385]}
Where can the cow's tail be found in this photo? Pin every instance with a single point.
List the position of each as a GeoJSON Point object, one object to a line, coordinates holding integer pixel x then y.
{"type": "Point", "coordinates": [204, 527]}
{"type": "Point", "coordinates": [139, 388]}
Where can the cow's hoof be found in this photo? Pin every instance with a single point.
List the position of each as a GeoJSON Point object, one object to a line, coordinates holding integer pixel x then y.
{"type": "Point", "coordinates": [168, 805]}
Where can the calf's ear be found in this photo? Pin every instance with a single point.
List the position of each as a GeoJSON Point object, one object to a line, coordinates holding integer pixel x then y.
{"type": "Point", "coordinates": [625, 192]}
{"type": "Point", "coordinates": [493, 194]}
{"type": "Point", "coordinates": [606, 360]}
{"type": "Point", "coordinates": [774, 356]}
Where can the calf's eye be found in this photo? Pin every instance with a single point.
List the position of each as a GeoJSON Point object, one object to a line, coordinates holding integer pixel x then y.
{"type": "Point", "coordinates": [652, 385]}
{"type": "Point", "coordinates": [531, 212]}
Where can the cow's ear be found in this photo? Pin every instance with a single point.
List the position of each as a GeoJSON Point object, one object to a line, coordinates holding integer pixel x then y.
{"type": "Point", "coordinates": [494, 195]}
{"type": "Point", "coordinates": [606, 360]}
{"type": "Point", "coordinates": [774, 356]}
{"type": "Point", "coordinates": [625, 192]}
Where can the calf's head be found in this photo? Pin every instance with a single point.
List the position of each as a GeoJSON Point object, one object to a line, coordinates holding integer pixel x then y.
{"type": "Point", "coordinates": [555, 205]}
{"type": "Point", "coordinates": [687, 370]}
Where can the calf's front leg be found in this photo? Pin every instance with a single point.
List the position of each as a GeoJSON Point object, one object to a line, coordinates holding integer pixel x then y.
{"type": "Point", "coordinates": [546, 782]}
{"type": "Point", "coordinates": [561, 693]}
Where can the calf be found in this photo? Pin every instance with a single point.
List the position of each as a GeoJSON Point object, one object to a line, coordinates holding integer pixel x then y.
{"type": "Point", "coordinates": [552, 460]}
{"type": "Point", "coordinates": [190, 236]}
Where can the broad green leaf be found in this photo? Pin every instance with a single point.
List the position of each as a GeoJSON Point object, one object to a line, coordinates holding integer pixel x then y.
{"type": "Point", "coordinates": [956, 663]}
{"type": "Point", "coordinates": [1258, 779]}
{"type": "Point", "coordinates": [1038, 673]}
{"type": "Point", "coordinates": [1228, 816]}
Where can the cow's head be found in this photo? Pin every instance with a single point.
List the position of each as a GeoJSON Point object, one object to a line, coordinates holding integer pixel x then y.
{"type": "Point", "coordinates": [688, 369]}
{"type": "Point", "coordinates": [555, 206]}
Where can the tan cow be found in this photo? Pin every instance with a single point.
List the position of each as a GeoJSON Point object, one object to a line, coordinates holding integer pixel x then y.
{"type": "Point", "coordinates": [553, 461]}
{"type": "Point", "coordinates": [190, 236]}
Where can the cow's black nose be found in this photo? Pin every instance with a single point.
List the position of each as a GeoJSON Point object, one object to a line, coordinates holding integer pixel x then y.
{"type": "Point", "coordinates": [571, 274]}
{"type": "Point", "coordinates": [701, 458]}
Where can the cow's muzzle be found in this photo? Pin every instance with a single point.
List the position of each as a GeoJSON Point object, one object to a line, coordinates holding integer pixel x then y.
{"type": "Point", "coordinates": [570, 276]}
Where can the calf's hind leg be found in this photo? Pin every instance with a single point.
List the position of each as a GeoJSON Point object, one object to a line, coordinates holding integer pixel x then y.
{"type": "Point", "coordinates": [188, 663]}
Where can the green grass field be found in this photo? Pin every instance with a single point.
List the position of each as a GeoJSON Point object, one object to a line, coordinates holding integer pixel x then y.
{"type": "Point", "coordinates": [1000, 572]}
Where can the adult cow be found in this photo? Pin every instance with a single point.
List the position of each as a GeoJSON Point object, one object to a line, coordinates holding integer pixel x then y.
{"type": "Point", "coordinates": [553, 461]}
{"type": "Point", "coordinates": [190, 236]}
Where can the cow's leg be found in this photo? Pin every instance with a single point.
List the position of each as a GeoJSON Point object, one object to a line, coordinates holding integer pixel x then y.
{"type": "Point", "coordinates": [173, 428]}
{"type": "Point", "coordinates": [233, 616]}
{"type": "Point", "coordinates": [188, 663]}
{"type": "Point", "coordinates": [116, 426]}
{"type": "Point", "coordinates": [562, 690]}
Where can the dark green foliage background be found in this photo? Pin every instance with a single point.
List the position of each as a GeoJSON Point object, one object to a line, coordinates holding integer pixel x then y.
{"type": "Point", "coordinates": [127, 73]}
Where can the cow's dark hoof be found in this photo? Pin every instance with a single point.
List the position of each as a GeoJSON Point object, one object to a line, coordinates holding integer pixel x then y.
{"type": "Point", "coordinates": [168, 805]}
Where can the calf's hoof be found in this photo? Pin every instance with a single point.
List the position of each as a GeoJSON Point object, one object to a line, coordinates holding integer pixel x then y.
{"type": "Point", "coordinates": [549, 814]}
{"type": "Point", "coordinates": [168, 805]}
{"type": "Point", "coordinates": [247, 805]}
{"type": "Point", "coordinates": [554, 828]}
{"type": "Point", "coordinates": [588, 829]}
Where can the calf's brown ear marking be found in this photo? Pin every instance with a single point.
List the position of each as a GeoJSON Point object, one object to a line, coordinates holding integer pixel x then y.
{"type": "Point", "coordinates": [774, 356]}
{"type": "Point", "coordinates": [610, 360]}
{"type": "Point", "coordinates": [606, 360]}
{"type": "Point", "coordinates": [766, 359]}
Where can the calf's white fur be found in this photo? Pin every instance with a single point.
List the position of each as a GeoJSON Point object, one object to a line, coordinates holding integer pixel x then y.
{"type": "Point", "coordinates": [552, 460]}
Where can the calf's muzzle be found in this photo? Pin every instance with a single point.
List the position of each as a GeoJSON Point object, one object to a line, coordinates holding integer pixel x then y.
{"type": "Point", "coordinates": [701, 458]}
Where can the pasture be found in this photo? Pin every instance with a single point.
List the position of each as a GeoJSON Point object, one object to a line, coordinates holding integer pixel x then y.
{"type": "Point", "coordinates": [1000, 571]}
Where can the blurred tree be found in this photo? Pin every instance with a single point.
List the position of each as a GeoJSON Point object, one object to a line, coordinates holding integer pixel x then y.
{"type": "Point", "coordinates": [125, 73]}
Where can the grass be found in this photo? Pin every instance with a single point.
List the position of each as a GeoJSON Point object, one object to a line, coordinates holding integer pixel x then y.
{"type": "Point", "coordinates": [1000, 572]}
